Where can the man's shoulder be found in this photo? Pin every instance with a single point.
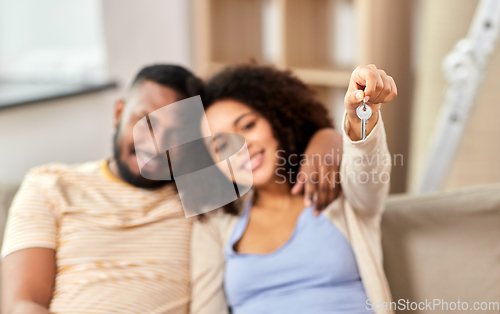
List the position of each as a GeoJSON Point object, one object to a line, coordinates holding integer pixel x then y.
{"type": "Point", "coordinates": [52, 172]}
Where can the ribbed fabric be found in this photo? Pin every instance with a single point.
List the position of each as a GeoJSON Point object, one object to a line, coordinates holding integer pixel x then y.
{"type": "Point", "coordinates": [119, 249]}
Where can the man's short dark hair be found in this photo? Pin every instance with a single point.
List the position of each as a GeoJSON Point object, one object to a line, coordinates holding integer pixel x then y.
{"type": "Point", "coordinates": [185, 83]}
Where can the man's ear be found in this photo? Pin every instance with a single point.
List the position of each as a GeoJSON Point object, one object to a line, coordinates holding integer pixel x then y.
{"type": "Point", "coordinates": [118, 111]}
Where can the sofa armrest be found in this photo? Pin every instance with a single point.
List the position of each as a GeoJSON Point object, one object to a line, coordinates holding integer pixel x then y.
{"type": "Point", "coordinates": [7, 193]}
{"type": "Point", "coordinates": [444, 246]}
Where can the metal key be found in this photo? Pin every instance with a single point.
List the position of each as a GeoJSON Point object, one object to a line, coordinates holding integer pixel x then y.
{"type": "Point", "coordinates": [364, 112]}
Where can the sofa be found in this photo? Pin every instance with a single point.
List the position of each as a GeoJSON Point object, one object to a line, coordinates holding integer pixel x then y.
{"type": "Point", "coordinates": [444, 247]}
{"type": "Point", "coordinates": [438, 248]}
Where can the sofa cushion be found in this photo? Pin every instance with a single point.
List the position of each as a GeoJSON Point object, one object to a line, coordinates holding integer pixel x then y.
{"type": "Point", "coordinates": [444, 246]}
{"type": "Point", "coordinates": [7, 193]}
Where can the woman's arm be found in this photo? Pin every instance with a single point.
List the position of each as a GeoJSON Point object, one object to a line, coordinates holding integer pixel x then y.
{"type": "Point", "coordinates": [207, 269]}
{"type": "Point", "coordinates": [365, 170]}
{"type": "Point", "coordinates": [366, 164]}
{"type": "Point", "coordinates": [373, 86]}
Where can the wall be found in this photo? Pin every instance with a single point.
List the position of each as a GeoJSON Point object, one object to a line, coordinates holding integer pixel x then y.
{"type": "Point", "coordinates": [79, 129]}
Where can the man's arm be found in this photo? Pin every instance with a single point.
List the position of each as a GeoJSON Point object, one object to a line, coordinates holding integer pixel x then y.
{"type": "Point", "coordinates": [28, 280]}
{"type": "Point", "coordinates": [28, 249]}
{"type": "Point", "coordinates": [320, 174]}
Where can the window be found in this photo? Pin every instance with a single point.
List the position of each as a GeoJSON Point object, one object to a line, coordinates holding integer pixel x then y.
{"type": "Point", "coordinates": [50, 47]}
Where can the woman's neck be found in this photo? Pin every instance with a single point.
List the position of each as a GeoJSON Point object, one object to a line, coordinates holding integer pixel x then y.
{"type": "Point", "coordinates": [275, 195]}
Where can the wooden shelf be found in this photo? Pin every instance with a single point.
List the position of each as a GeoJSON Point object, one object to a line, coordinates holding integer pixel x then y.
{"type": "Point", "coordinates": [243, 39]}
{"type": "Point", "coordinates": [331, 78]}
{"type": "Point", "coordinates": [321, 41]}
{"type": "Point", "coordinates": [287, 33]}
{"type": "Point", "coordinates": [328, 78]}
{"type": "Point", "coordinates": [320, 34]}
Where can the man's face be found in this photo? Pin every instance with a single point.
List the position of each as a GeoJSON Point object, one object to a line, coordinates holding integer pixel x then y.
{"type": "Point", "coordinates": [145, 98]}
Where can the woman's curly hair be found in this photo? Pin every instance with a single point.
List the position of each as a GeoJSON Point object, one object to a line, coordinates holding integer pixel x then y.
{"type": "Point", "coordinates": [282, 99]}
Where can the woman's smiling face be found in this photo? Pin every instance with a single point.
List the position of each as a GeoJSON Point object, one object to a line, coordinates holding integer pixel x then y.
{"type": "Point", "coordinates": [231, 116]}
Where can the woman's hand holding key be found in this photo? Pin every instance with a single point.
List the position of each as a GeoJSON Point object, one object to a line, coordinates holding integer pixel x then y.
{"type": "Point", "coordinates": [373, 86]}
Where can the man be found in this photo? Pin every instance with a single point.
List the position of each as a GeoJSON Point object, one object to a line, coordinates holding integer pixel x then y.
{"type": "Point", "coordinates": [100, 238]}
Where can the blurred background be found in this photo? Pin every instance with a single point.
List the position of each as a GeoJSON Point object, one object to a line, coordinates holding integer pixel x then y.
{"type": "Point", "coordinates": [63, 63]}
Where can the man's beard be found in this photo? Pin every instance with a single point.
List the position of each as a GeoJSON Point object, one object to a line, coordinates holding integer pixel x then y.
{"type": "Point", "coordinates": [128, 176]}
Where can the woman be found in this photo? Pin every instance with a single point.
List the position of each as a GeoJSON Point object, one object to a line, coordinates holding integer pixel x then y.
{"type": "Point", "coordinates": [267, 253]}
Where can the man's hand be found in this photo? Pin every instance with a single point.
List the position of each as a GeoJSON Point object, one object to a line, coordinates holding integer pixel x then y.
{"type": "Point", "coordinates": [375, 87]}
{"type": "Point", "coordinates": [320, 171]}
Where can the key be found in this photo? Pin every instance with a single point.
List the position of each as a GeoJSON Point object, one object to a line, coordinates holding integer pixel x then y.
{"type": "Point", "coordinates": [364, 112]}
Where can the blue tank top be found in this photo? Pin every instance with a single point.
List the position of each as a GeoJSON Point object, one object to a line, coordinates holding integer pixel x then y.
{"type": "Point", "coordinates": [314, 272]}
